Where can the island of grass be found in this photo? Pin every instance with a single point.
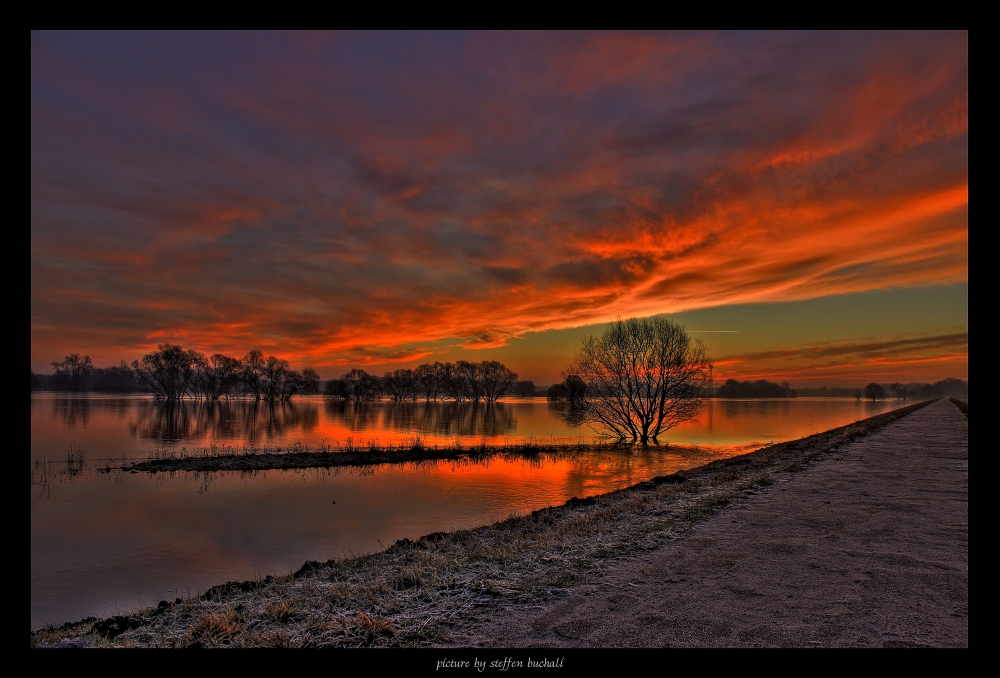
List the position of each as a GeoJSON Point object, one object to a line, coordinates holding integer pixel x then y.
{"type": "Point", "coordinates": [372, 454]}
{"type": "Point", "coordinates": [411, 593]}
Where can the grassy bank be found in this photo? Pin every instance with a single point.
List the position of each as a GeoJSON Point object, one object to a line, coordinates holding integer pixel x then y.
{"type": "Point", "coordinates": [411, 593]}
{"type": "Point", "coordinates": [961, 404]}
{"type": "Point", "coordinates": [369, 454]}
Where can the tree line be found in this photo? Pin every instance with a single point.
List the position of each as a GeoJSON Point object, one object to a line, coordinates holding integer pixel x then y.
{"type": "Point", "coordinates": [761, 388]}
{"type": "Point", "coordinates": [914, 390]}
{"type": "Point", "coordinates": [573, 390]}
{"type": "Point", "coordinates": [460, 381]}
{"type": "Point", "coordinates": [171, 373]}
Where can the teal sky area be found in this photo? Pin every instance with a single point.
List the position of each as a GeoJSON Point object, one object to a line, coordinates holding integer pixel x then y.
{"type": "Point", "coordinates": [929, 318]}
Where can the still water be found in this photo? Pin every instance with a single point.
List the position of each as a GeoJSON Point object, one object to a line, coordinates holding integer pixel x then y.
{"type": "Point", "coordinates": [103, 543]}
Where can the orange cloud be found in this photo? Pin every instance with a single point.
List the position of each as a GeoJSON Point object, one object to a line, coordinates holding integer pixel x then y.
{"type": "Point", "coordinates": [336, 209]}
{"type": "Point", "coordinates": [933, 357]}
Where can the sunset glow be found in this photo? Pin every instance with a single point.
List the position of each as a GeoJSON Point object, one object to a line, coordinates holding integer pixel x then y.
{"type": "Point", "coordinates": [381, 200]}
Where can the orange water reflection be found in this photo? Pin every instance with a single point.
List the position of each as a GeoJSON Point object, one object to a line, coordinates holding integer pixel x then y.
{"type": "Point", "coordinates": [102, 542]}
{"type": "Point", "coordinates": [111, 427]}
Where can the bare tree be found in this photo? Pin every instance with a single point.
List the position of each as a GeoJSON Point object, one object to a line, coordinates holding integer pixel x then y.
{"type": "Point", "coordinates": [252, 372]}
{"type": "Point", "coordinates": [114, 379]}
{"type": "Point", "coordinates": [576, 388]}
{"type": "Point", "coordinates": [643, 376]}
{"type": "Point", "coordinates": [429, 377]}
{"type": "Point", "coordinates": [336, 389]}
{"type": "Point", "coordinates": [468, 381]}
{"type": "Point", "coordinates": [73, 372]}
{"type": "Point", "coordinates": [558, 392]}
{"type": "Point", "coordinates": [874, 391]}
{"type": "Point", "coordinates": [496, 379]}
{"type": "Point", "coordinates": [167, 372]}
{"type": "Point", "coordinates": [310, 382]}
{"type": "Point", "coordinates": [524, 389]}
{"type": "Point", "coordinates": [359, 385]}
{"type": "Point", "coordinates": [226, 373]}
{"type": "Point", "coordinates": [400, 385]}
{"type": "Point", "coordinates": [273, 378]}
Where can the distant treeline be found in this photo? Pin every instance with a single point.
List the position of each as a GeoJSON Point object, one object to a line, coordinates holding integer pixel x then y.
{"type": "Point", "coordinates": [460, 381]}
{"type": "Point", "coordinates": [573, 389]}
{"type": "Point", "coordinates": [915, 390]}
{"type": "Point", "coordinates": [172, 373]}
{"type": "Point", "coordinates": [762, 388]}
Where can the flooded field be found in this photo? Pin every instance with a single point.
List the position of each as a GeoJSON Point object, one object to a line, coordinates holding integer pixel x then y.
{"type": "Point", "coordinates": [104, 542]}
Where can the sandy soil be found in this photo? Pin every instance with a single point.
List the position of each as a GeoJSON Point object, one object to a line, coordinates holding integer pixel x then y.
{"type": "Point", "coordinates": [868, 546]}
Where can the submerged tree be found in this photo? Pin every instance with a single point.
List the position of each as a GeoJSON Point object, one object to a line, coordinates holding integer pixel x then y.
{"type": "Point", "coordinates": [168, 372]}
{"type": "Point", "coordinates": [400, 385]}
{"type": "Point", "coordinates": [429, 377]}
{"type": "Point", "coordinates": [73, 372]}
{"type": "Point", "coordinates": [118, 379]}
{"type": "Point", "coordinates": [524, 389]}
{"type": "Point", "coordinates": [496, 379]}
{"type": "Point", "coordinates": [359, 386]}
{"type": "Point", "coordinates": [219, 376]}
{"type": "Point", "coordinates": [252, 369]}
{"type": "Point", "coordinates": [874, 391]}
{"type": "Point", "coordinates": [642, 376]}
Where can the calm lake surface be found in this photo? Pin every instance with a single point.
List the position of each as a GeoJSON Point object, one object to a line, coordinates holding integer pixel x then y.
{"type": "Point", "coordinates": [103, 543]}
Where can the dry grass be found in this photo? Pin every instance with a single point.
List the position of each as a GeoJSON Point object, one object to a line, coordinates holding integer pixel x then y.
{"type": "Point", "coordinates": [411, 593]}
{"type": "Point", "coordinates": [298, 456]}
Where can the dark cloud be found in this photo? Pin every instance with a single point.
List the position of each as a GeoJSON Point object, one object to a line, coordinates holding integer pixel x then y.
{"type": "Point", "coordinates": [316, 192]}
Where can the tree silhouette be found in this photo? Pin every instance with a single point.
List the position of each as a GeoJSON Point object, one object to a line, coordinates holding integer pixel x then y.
{"type": "Point", "coordinates": [874, 391]}
{"type": "Point", "coordinates": [360, 386]}
{"type": "Point", "coordinates": [252, 372]}
{"type": "Point", "coordinates": [643, 376]}
{"type": "Point", "coordinates": [73, 372]}
{"type": "Point", "coordinates": [168, 372]}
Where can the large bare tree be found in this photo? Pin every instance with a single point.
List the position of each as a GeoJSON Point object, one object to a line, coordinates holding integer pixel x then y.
{"type": "Point", "coordinates": [169, 371]}
{"type": "Point", "coordinates": [643, 376]}
{"type": "Point", "coordinates": [73, 373]}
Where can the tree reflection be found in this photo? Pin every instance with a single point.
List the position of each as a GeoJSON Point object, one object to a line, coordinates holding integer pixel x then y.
{"type": "Point", "coordinates": [441, 418]}
{"type": "Point", "coordinates": [569, 411]}
{"type": "Point", "coordinates": [356, 416]}
{"type": "Point", "coordinates": [465, 419]}
{"type": "Point", "coordinates": [72, 411]}
{"type": "Point", "coordinates": [250, 421]}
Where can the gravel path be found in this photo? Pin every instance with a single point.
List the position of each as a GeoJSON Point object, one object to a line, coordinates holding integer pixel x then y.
{"type": "Point", "coordinates": [867, 547]}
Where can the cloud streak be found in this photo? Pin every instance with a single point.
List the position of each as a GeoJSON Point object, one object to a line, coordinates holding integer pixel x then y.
{"type": "Point", "coordinates": [316, 193]}
{"type": "Point", "coordinates": [935, 356]}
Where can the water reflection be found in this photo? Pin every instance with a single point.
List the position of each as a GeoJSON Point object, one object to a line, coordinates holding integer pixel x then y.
{"type": "Point", "coordinates": [72, 411]}
{"type": "Point", "coordinates": [442, 418]}
{"type": "Point", "coordinates": [758, 409]}
{"type": "Point", "coordinates": [244, 420]}
{"type": "Point", "coordinates": [100, 538]}
{"type": "Point", "coordinates": [569, 412]}
{"type": "Point", "coordinates": [111, 427]}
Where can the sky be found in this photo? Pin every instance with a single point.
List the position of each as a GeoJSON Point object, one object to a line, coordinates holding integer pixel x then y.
{"type": "Point", "coordinates": [798, 201]}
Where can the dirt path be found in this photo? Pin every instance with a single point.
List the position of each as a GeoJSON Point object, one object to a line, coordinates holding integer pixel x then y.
{"type": "Point", "coordinates": [867, 547]}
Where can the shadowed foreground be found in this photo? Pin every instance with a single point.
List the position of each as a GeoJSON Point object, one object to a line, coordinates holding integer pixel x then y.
{"type": "Point", "coordinates": [868, 547]}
